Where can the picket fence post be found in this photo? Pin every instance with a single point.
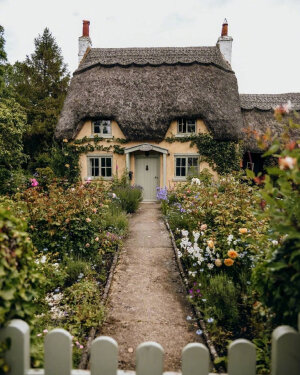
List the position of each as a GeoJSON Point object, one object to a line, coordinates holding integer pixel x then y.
{"type": "Point", "coordinates": [58, 352]}
{"type": "Point", "coordinates": [18, 355]}
{"type": "Point", "coordinates": [104, 356]}
{"type": "Point", "coordinates": [195, 359]}
{"type": "Point", "coordinates": [149, 359]}
{"type": "Point", "coordinates": [241, 358]}
{"type": "Point", "coordinates": [285, 357]}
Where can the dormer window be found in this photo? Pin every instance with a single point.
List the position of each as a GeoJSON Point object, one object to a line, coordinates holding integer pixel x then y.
{"type": "Point", "coordinates": [186, 126]}
{"type": "Point", "coordinates": [101, 127]}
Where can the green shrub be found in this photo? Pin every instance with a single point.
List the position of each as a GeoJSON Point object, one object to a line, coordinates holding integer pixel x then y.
{"type": "Point", "coordinates": [19, 278]}
{"type": "Point", "coordinates": [75, 269]}
{"type": "Point", "coordinates": [277, 274]}
{"type": "Point", "coordinates": [66, 221]}
{"type": "Point", "coordinates": [222, 299]}
{"type": "Point", "coordinates": [45, 176]}
{"type": "Point", "coordinates": [129, 197]}
{"type": "Point", "coordinates": [115, 219]}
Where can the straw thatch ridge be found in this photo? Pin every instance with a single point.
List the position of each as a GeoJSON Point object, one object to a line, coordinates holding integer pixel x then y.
{"type": "Point", "coordinates": [153, 57]}
{"type": "Point", "coordinates": [267, 102]}
{"type": "Point", "coordinates": [258, 116]}
{"type": "Point", "coordinates": [145, 99]}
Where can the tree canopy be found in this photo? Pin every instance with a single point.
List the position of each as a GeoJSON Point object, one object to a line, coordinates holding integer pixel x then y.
{"type": "Point", "coordinates": [41, 83]}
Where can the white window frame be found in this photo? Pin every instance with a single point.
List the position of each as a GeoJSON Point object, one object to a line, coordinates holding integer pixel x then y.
{"type": "Point", "coordinates": [101, 123]}
{"type": "Point", "coordinates": [99, 157]}
{"type": "Point", "coordinates": [186, 156]}
{"type": "Point", "coordinates": [184, 122]}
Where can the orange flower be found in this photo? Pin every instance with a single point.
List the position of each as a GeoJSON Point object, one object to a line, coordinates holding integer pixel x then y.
{"type": "Point", "coordinates": [232, 254]}
{"type": "Point", "coordinates": [218, 262]}
{"type": "Point", "coordinates": [243, 230]}
{"type": "Point", "coordinates": [210, 244]}
{"type": "Point", "coordinates": [228, 262]}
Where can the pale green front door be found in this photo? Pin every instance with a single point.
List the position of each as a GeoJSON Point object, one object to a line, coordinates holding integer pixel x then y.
{"type": "Point", "coordinates": [147, 175]}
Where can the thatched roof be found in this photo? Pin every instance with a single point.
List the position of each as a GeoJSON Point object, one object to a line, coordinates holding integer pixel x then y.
{"type": "Point", "coordinates": [258, 115]}
{"type": "Point", "coordinates": [144, 89]}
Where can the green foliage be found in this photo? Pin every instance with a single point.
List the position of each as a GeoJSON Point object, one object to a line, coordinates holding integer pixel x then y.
{"type": "Point", "coordinates": [222, 300]}
{"type": "Point", "coordinates": [222, 156]}
{"type": "Point", "coordinates": [12, 127]}
{"type": "Point", "coordinates": [67, 220]}
{"type": "Point", "coordinates": [40, 84]}
{"type": "Point", "coordinates": [129, 197]}
{"type": "Point", "coordinates": [45, 176]}
{"type": "Point", "coordinates": [277, 276]}
{"type": "Point", "coordinates": [19, 278]}
{"type": "Point", "coordinates": [3, 59]}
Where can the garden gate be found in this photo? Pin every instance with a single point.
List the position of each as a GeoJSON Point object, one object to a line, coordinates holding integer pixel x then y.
{"type": "Point", "coordinates": [149, 356]}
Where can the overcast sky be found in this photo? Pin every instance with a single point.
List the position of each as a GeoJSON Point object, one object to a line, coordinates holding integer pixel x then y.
{"type": "Point", "coordinates": [266, 33]}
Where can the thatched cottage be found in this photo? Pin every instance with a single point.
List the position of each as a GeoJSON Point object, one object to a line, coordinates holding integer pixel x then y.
{"type": "Point", "coordinates": [128, 102]}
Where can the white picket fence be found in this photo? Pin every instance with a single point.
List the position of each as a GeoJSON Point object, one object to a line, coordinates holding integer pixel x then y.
{"type": "Point", "coordinates": [149, 355]}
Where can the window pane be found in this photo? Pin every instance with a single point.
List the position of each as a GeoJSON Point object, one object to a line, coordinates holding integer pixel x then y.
{"type": "Point", "coordinates": [103, 172]}
{"type": "Point", "coordinates": [183, 171]}
{"type": "Point", "coordinates": [177, 171]}
{"type": "Point", "coordinates": [178, 162]}
{"type": "Point", "coordinates": [191, 128]}
{"type": "Point", "coordinates": [103, 162]}
{"type": "Point", "coordinates": [96, 128]}
{"type": "Point", "coordinates": [183, 162]}
{"type": "Point", "coordinates": [108, 162]}
{"type": "Point", "coordinates": [108, 172]}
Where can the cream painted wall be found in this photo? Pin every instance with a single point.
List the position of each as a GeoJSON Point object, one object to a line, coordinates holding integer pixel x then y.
{"type": "Point", "coordinates": [119, 161]}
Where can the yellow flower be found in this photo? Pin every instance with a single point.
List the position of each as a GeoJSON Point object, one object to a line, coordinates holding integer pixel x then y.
{"type": "Point", "coordinates": [232, 254]}
{"type": "Point", "coordinates": [88, 220]}
{"type": "Point", "coordinates": [67, 165]}
{"type": "Point", "coordinates": [65, 140]}
{"type": "Point", "coordinates": [218, 262]}
{"type": "Point", "coordinates": [228, 262]}
{"type": "Point", "coordinates": [243, 230]}
{"type": "Point", "coordinates": [210, 244]}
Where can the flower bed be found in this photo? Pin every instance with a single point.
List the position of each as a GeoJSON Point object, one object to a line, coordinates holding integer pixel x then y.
{"type": "Point", "coordinates": [75, 232]}
{"type": "Point", "coordinates": [218, 237]}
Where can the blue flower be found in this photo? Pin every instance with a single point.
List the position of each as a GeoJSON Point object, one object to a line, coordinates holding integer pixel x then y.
{"type": "Point", "coordinates": [199, 332]}
{"type": "Point", "coordinates": [210, 320]}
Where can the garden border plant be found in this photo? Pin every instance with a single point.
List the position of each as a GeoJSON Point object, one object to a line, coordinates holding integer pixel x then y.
{"type": "Point", "coordinates": [200, 321]}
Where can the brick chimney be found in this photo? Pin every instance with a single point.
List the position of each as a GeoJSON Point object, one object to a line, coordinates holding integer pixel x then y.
{"type": "Point", "coordinates": [84, 41]}
{"type": "Point", "coordinates": [225, 42]}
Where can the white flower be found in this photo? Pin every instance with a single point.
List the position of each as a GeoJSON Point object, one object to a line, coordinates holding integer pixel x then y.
{"type": "Point", "coordinates": [196, 236]}
{"type": "Point", "coordinates": [43, 259]}
{"type": "Point", "coordinates": [179, 253]}
{"type": "Point", "coordinates": [193, 273]}
{"type": "Point", "coordinates": [114, 195]}
{"type": "Point", "coordinates": [274, 242]}
{"type": "Point", "coordinates": [210, 266]}
{"type": "Point", "coordinates": [195, 181]}
{"type": "Point", "coordinates": [229, 238]}
{"type": "Point", "coordinates": [184, 233]}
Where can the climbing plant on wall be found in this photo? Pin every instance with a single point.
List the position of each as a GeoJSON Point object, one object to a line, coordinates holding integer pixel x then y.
{"type": "Point", "coordinates": [222, 156]}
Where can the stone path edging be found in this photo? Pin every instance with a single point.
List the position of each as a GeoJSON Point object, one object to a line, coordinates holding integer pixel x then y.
{"type": "Point", "coordinates": [212, 350]}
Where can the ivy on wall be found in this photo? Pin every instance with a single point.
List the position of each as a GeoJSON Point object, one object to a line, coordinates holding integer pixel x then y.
{"type": "Point", "coordinates": [222, 156]}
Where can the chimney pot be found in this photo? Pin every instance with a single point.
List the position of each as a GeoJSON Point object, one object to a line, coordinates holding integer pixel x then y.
{"type": "Point", "coordinates": [86, 28]}
{"type": "Point", "coordinates": [224, 28]}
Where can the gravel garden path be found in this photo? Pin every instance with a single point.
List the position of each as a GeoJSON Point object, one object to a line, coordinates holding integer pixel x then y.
{"type": "Point", "coordinates": [147, 299]}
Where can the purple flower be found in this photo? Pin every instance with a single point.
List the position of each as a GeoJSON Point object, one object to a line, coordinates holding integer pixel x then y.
{"type": "Point", "coordinates": [162, 194]}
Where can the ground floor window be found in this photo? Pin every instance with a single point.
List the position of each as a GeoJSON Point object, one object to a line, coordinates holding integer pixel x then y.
{"type": "Point", "coordinates": [100, 166]}
{"type": "Point", "coordinates": [186, 165]}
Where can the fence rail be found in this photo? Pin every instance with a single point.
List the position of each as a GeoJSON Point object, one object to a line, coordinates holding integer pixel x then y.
{"type": "Point", "coordinates": [285, 358]}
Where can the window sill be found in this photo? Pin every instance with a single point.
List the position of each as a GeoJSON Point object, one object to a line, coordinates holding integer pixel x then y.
{"type": "Point", "coordinates": [179, 179]}
{"type": "Point", "coordinates": [109, 136]}
{"type": "Point", "coordinates": [92, 178]}
{"type": "Point", "coordinates": [183, 135]}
